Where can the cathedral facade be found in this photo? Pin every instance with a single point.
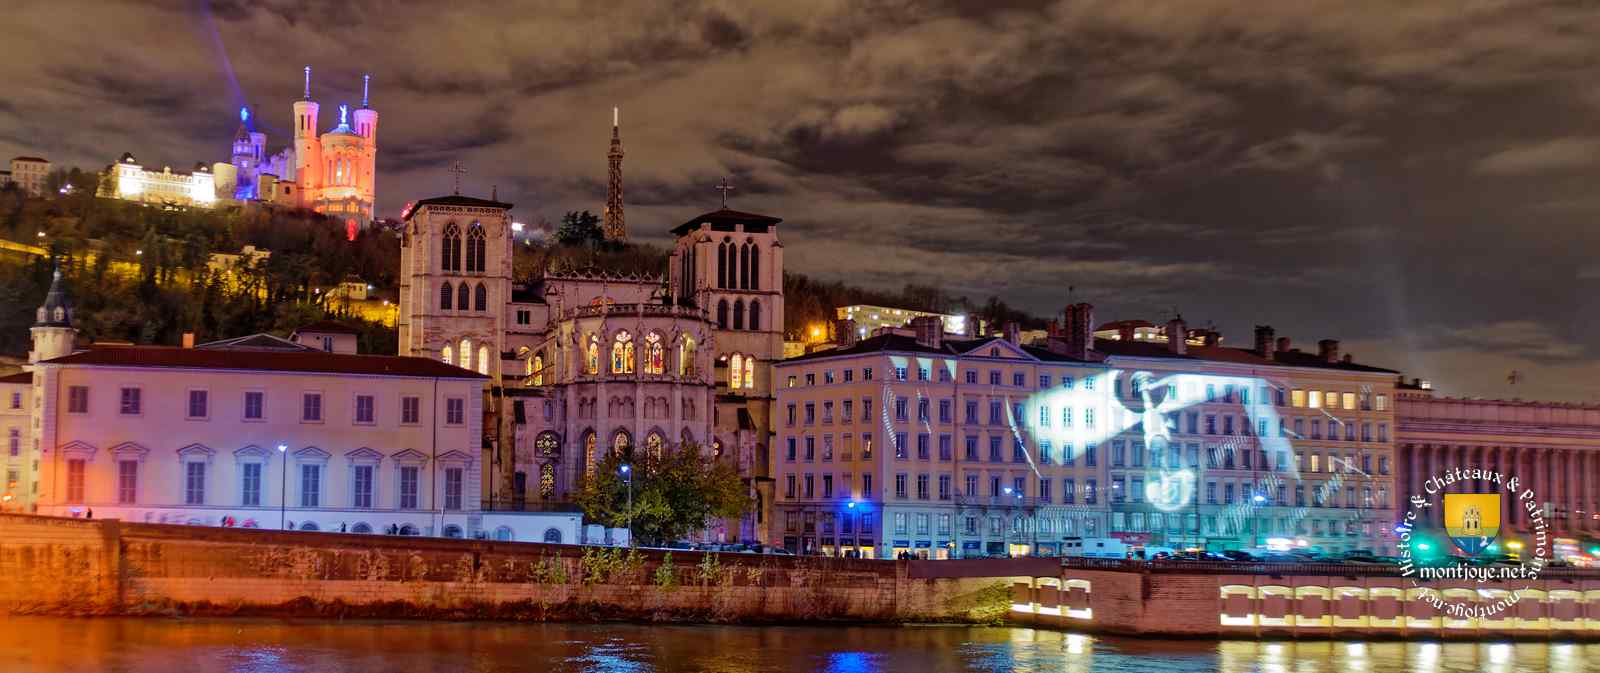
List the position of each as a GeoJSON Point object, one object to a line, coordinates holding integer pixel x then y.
{"type": "Point", "coordinates": [580, 364]}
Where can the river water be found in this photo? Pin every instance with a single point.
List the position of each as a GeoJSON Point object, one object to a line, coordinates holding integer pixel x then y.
{"type": "Point", "coordinates": [270, 646]}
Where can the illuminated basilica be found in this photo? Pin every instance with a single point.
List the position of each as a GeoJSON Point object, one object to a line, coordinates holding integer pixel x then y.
{"type": "Point", "coordinates": [585, 363]}
{"type": "Point", "coordinates": [331, 172]}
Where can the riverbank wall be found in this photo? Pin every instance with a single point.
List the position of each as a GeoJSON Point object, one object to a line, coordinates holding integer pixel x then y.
{"type": "Point", "coordinates": [60, 566]}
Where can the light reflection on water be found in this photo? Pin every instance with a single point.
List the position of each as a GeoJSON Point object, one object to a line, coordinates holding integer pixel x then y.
{"type": "Point", "coordinates": [35, 645]}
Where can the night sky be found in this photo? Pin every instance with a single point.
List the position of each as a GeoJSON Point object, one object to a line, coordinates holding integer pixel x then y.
{"type": "Point", "coordinates": [1416, 179]}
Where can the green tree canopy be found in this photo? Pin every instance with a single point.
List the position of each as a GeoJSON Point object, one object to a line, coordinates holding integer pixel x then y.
{"type": "Point", "coordinates": [675, 494]}
{"type": "Point", "coordinates": [580, 228]}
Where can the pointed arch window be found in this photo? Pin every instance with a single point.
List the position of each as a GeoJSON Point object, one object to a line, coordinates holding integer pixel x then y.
{"type": "Point", "coordinates": [722, 263]}
{"type": "Point", "coordinates": [622, 444]}
{"type": "Point", "coordinates": [466, 354]}
{"type": "Point", "coordinates": [592, 356]}
{"type": "Point", "coordinates": [755, 266]}
{"type": "Point", "coordinates": [622, 354]}
{"type": "Point", "coordinates": [450, 248]}
{"type": "Point", "coordinates": [686, 356]}
{"type": "Point", "coordinates": [744, 266]}
{"type": "Point", "coordinates": [446, 293]}
{"type": "Point", "coordinates": [464, 297]}
{"type": "Point", "coordinates": [654, 357]}
{"type": "Point", "coordinates": [735, 370]}
{"type": "Point", "coordinates": [483, 360]}
{"type": "Point", "coordinates": [447, 355]}
{"type": "Point", "coordinates": [654, 444]}
{"type": "Point", "coordinates": [480, 298]}
{"type": "Point", "coordinates": [476, 248]}
{"type": "Point", "coordinates": [536, 369]}
{"type": "Point", "coordinates": [755, 315]}
{"type": "Point", "coordinates": [722, 314]}
{"type": "Point", "coordinates": [749, 372]}
{"type": "Point", "coordinates": [588, 452]}
{"type": "Point", "coordinates": [738, 314]}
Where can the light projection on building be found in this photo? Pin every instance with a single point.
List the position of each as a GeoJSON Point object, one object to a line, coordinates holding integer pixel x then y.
{"type": "Point", "coordinates": [1184, 455]}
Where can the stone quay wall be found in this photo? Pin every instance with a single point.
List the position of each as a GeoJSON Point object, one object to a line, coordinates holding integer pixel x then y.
{"type": "Point", "coordinates": [64, 566]}
{"type": "Point", "coordinates": [1173, 599]}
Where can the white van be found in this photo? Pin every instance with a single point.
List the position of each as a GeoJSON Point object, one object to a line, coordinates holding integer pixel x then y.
{"type": "Point", "coordinates": [1094, 547]}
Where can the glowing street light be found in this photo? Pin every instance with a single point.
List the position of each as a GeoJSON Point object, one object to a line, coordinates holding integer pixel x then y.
{"type": "Point", "coordinates": [627, 476]}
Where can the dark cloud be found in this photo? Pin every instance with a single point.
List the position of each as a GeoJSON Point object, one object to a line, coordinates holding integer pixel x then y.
{"type": "Point", "coordinates": [1414, 178]}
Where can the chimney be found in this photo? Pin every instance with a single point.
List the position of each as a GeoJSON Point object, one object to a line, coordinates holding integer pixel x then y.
{"type": "Point", "coordinates": [1177, 336]}
{"type": "Point", "coordinates": [929, 330]}
{"type": "Point", "coordinates": [188, 339]}
{"type": "Point", "coordinates": [1283, 344]}
{"type": "Point", "coordinates": [1328, 350]}
{"type": "Point", "coordinates": [1013, 332]}
{"type": "Point", "coordinates": [844, 333]}
{"type": "Point", "coordinates": [1079, 328]}
{"type": "Point", "coordinates": [1213, 337]}
{"type": "Point", "coordinates": [1264, 334]}
{"type": "Point", "coordinates": [1347, 359]}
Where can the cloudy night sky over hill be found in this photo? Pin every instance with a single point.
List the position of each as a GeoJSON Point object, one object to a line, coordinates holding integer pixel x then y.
{"type": "Point", "coordinates": [1416, 179]}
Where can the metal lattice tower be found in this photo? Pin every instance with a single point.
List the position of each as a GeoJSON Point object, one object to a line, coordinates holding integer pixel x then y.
{"type": "Point", "coordinates": [616, 228]}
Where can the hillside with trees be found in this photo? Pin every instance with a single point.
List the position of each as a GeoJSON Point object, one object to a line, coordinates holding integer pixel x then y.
{"type": "Point", "coordinates": [142, 274]}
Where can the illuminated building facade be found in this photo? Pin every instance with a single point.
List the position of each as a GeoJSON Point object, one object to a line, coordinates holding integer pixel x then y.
{"type": "Point", "coordinates": [262, 432]}
{"type": "Point", "coordinates": [332, 172]}
{"type": "Point", "coordinates": [1552, 448]}
{"type": "Point", "coordinates": [912, 443]}
{"type": "Point", "coordinates": [29, 174]}
{"type": "Point", "coordinates": [18, 452]}
{"type": "Point", "coordinates": [581, 364]}
{"type": "Point", "coordinates": [131, 181]}
{"type": "Point", "coordinates": [1256, 447]}
{"type": "Point", "coordinates": [869, 319]}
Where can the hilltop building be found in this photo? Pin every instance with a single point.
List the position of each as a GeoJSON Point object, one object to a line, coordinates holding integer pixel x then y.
{"type": "Point", "coordinates": [332, 172]}
{"type": "Point", "coordinates": [29, 174]}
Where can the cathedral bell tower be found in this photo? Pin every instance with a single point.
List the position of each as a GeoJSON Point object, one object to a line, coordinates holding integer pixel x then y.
{"type": "Point", "coordinates": [53, 333]}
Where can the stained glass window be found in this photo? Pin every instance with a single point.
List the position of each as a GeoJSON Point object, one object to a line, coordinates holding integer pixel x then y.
{"type": "Point", "coordinates": [622, 354]}
{"type": "Point", "coordinates": [547, 480]}
{"type": "Point", "coordinates": [654, 357]}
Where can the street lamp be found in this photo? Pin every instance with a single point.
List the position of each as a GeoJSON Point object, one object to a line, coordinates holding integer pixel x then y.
{"type": "Point", "coordinates": [1005, 528]}
{"type": "Point", "coordinates": [627, 476]}
{"type": "Point", "coordinates": [283, 487]}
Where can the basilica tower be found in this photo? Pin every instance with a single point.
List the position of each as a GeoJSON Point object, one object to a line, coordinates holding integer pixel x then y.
{"type": "Point", "coordinates": [616, 228]}
{"type": "Point", "coordinates": [307, 150]}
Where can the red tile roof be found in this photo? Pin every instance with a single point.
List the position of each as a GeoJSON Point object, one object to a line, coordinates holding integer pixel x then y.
{"type": "Point", "coordinates": [258, 360]}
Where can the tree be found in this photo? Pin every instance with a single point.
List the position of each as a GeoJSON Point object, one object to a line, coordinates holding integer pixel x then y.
{"type": "Point", "coordinates": [580, 228]}
{"type": "Point", "coordinates": [675, 494]}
